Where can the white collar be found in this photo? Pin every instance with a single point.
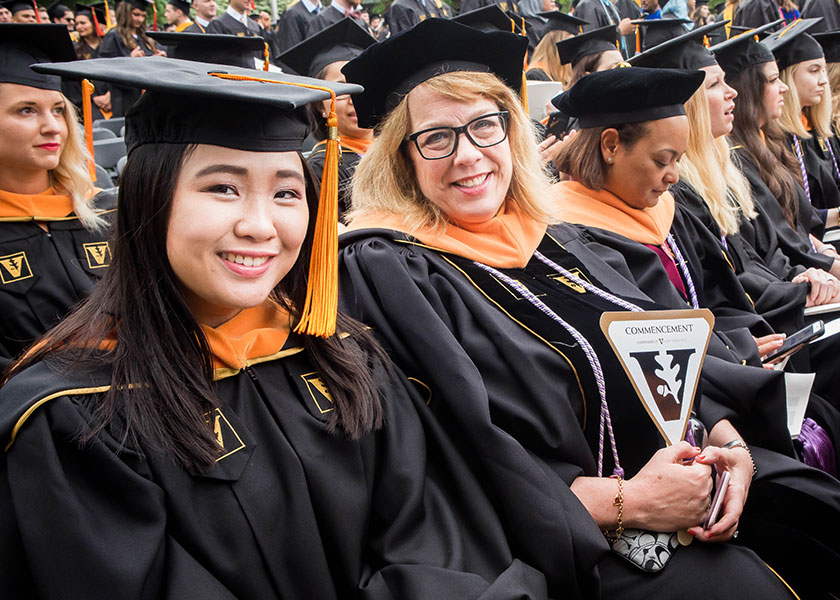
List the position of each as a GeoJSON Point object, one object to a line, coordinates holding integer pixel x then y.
{"type": "Point", "coordinates": [310, 6]}
{"type": "Point", "coordinates": [235, 14]}
{"type": "Point", "coordinates": [202, 22]}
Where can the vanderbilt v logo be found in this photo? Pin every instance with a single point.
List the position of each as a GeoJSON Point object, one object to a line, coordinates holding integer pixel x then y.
{"type": "Point", "coordinates": [98, 254]}
{"type": "Point", "coordinates": [319, 392]}
{"type": "Point", "coordinates": [14, 267]}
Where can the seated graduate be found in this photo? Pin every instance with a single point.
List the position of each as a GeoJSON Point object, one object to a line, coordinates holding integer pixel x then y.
{"type": "Point", "coordinates": [267, 450]}
{"type": "Point", "coordinates": [785, 219]}
{"type": "Point", "coordinates": [215, 48]}
{"type": "Point", "coordinates": [451, 261]}
{"type": "Point", "coordinates": [322, 56]}
{"type": "Point", "coordinates": [806, 116]}
{"type": "Point", "coordinates": [830, 42]}
{"type": "Point", "coordinates": [544, 64]}
{"type": "Point", "coordinates": [722, 265]}
{"type": "Point", "coordinates": [589, 52]}
{"type": "Point", "coordinates": [53, 238]}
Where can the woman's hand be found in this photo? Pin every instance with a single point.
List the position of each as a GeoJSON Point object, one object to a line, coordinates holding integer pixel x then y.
{"type": "Point", "coordinates": [824, 286]}
{"type": "Point", "coordinates": [740, 466]}
{"type": "Point", "coordinates": [667, 494]}
{"type": "Point", "coordinates": [550, 149]}
{"type": "Point", "coordinates": [769, 343]}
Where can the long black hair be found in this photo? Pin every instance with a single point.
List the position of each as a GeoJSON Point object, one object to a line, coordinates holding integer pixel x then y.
{"type": "Point", "coordinates": [161, 366]}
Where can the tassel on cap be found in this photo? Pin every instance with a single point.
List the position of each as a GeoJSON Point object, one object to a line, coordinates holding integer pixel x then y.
{"type": "Point", "coordinates": [87, 114]}
{"type": "Point", "coordinates": [96, 26]}
{"type": "Point", "coordinates": [523, 92]}
{"type": "Point", "coordinates": [638, 39]}
{"type": "Point", "coordinates": [318, 317]}
{"type": "Point", "coordinates": [109, 24]}
{"type": "Point", "coordinates": [154, 17]}
{"type": "Point", "coordinates": [37, 14]}
{"type": "Point", "coordinates": [265, 56]}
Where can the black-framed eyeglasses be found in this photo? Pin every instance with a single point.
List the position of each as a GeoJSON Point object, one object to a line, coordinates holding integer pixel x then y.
{"type": "Point", "coordinates": [484, 131]}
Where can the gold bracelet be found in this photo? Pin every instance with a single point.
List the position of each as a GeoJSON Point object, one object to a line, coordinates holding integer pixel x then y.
{"type": "Point", "coordinates": [618, 501]}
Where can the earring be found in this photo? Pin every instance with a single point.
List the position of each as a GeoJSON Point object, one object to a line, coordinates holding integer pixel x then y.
{"type": "Point", "coordinates": [609, 161]}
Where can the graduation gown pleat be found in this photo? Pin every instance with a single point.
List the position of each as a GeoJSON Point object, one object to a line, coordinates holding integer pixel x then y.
{"type": "Point", "coordinates": [288, 511]}
{"type": "Point", "coordinates": [526, 407]}
{"type": "Point", "coordinates": [45, 273]}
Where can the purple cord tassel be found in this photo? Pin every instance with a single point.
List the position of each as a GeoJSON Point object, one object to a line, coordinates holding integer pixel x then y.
{"type": "Point", "coordinates": [817, 449]}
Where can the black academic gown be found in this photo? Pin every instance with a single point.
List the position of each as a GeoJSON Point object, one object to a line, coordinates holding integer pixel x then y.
{"type": "Point", "coordinates": [595, 14]}
{"type": "Point", "coordinates": [471, 5]}
{"type": "Point", "coordinates": [526, 406]}
{"type": "Point", "coordinates": [122, 98]}
{"type": "Point", "coordinates": [292, 27]}
{"type": "Point", "coordinates": [754, 13]}
{"type": "Point", "coordinates": [822, 179]}
{"type": "Point", "coordinates": [346, 168]}
{"type": "Point", "coordinates": [44, 274]}
{"type": "Point", "coordinates": [770, 231]}
{"type": "Point", "coordinates": [405, 14]}
{"type": "Point", "coordinates": [827, 9]}
{"type": "Point", "coordinates": [288, 510]}
{"type": "Point", "coordinates": [536, 75]}
{"type": "Point", "coordinates": [225, 24]}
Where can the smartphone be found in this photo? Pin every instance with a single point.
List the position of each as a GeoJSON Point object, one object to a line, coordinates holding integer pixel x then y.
{"type": "Point", "coordinates": [557, 125]}
{"type": "Point", "coordinates": [796, 342]}
{"type": "Point", "coordinates": [717, 501]}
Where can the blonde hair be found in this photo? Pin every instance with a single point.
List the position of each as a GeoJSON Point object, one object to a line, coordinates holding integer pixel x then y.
{"type": "Point", "coordinates": [384, 180]}
{"type": "Point", "coordinates": [546, 55]}
{"type": "Point", "coordinates": [833, 70]}
{"type": "Point", "coordinates": [71, 176]}
{"type": "Point", "coordinates": [708, 168]}
{"type": "Point", "coordinates": [818, 115]}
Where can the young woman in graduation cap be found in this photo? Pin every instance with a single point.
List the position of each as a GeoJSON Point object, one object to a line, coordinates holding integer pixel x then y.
{"type": "Point", "coordinates": [128, 38]}
{"type": "Point", "coordinates": [589, 52]}
{"type": "Point", "coordinates": [322, 56]}
{"type": "Point", "coordinates": [806, 116]}
{"type": "Point", "coordinates": [451, 261]}
{"type": "Point", "coordinates": [786, 221]}
{"type": "Point", "coordinates": [53, 238]}
{"type": "Point", "coordinates": [206, 424]}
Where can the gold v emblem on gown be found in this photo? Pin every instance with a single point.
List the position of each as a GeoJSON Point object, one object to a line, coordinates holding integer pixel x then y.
{"type": "Point", "coordinates": [14, 267]}
{"type": "Point", "coordinates": [98, 254]}
{"type": "Point", "coordinates": [318, 390]}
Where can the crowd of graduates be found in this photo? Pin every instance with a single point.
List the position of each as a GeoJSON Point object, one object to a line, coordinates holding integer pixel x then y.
{"type": "Point", "coordinates": [340, 328]}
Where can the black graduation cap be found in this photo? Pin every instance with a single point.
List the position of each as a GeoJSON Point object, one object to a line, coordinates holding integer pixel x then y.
{"type": "Point", "coordinates": [791, 45]}
{"type": "Point", "coordinates": [342, 41]}
{"type": "Point", "coordinates": [684, 52]}
{"type": "Point", "coordinates": [489, 18]}
{"type": "Point", "coordinates": [830, 42]}
{"type": "Point", "coordinates": [183, 5]}
{"type": "Point", "coordinates": [629, 95]}
{"type": "Point", "coordinates": [584, 44]}
{"type": "Point", "coordinates": [557, 20]}
{"type": "Point", "coordinates": [234, 50]}
{"type": "Point", "coordinates": [57, 10]}
{"type": "Point", "coordinates": [24, 44]}
{"type": "Point", "coordinates": [141, 4]}
{"type": "Point", "coordinates": [430, 48]}
{"type": "Point", "coordinates": [184, 103]}
{"type": "Point", "coordinates": [738, 30]}
{"type": "Point", "coordinates": [738, 53]}
{"type": "Point", "coordinates": [653, 32]}
{"type": "Point", "coordinates": [98, 9]}
{"type": "Point", "coordinates": [18, 5]}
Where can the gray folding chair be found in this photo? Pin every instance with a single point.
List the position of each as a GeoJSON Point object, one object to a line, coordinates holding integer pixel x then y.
{"type": "Point", "coordinates": [103, 134]}
{"type": "Point", "coordinates": [107, 153]}
{"type": "Point", "coordinates": [121, 165]}
{"type": "Point", "coordinates": [114, 124]}
{"type": "Point", "coordinates": [103, 180]}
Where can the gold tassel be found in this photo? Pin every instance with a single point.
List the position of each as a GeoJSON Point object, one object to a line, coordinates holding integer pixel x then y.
{"type": "Point", "coordinates": [109, 24]}
{"type": "Point", "coordinates": [523, 92]}
{"type": "Point", "coordinates": [87, 114]}
{"type": "Point", "coordinates": [638, 40]}
{"type": "Point", "coordinates": [265, 56]}
{"type": "Point", "coordinates": [318, 316]}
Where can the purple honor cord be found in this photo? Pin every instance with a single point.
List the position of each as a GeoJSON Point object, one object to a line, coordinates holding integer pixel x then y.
{"type": "Point", "coordinates": [798, 147]}
{"type": "Point", "coordinates": [684, 268]}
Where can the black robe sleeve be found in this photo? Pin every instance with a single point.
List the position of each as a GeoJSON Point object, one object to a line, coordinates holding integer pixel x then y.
{"type": "Point", "coordinates": [401, 17]}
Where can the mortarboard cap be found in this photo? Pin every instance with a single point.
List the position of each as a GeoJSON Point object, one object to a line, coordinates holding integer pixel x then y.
{"type": "Point", "coordinates": [233, 50]}
{"type": "Point", "coordinates": [738, 30]}
{"type": "Point", "coordinates": [830, 42]}
{"type": "Point", "coordinates": [791, 45]}
{"type": "Point", "coordinates": [556, 20]}
{"type": "Point", "coordinates": [141, 4]}
{"type": "Point", "coordinates": [741, 52]}
{"type": "Point", "coordinates": [489, 18]}
{"type": "Point", "coordinates": [342, 41]}
{"type": "Point", "coordinates": [684, 52]}
{"type": "Point", "coordinates": [629, 95]}
{"type": "Point", "coordinates": [653, 32]}
{"type": "Point", "coordinates": [15, 6]}
{"type": "Point", "coordinates": [182, 5]}
{"type": "Point", "coordinates": [430, 48]}
{"type": "Point", "coordinates": [25, 44]}
{"type": "Point", "coordinates": [599, 40]}
{"type": "Point", "coordinates": [185, 102]}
